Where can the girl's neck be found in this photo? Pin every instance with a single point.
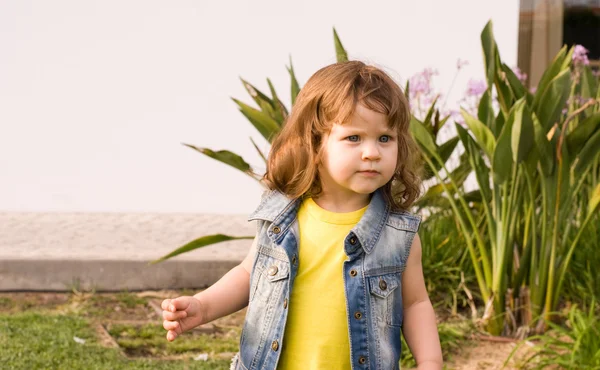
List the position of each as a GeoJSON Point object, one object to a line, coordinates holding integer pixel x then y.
{"type": "Point", "coordinates": [342, 203]}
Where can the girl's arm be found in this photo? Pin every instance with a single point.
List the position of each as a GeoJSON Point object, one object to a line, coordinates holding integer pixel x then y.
{"type": "Point", "coordinates": [419, 327]}
{"type": "Point", "coordinates": [231, 293]}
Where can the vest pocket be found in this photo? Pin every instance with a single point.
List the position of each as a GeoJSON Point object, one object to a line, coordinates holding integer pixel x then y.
{"type": "Point", "coordinates": [386, 298]}
{"type": "Point", "coordinates": [268, 278]}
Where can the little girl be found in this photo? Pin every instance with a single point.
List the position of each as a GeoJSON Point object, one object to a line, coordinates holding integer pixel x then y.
{"type": "Point", "coordinates": [334, 272]}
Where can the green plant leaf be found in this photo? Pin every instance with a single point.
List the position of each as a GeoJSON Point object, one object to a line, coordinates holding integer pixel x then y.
{"type": "Point", "coordinates": [445, 150]}
{"type": "Point", "coordinates": [485, 111]}
{"type": "Point", "coordinates": [515, 84]}
{"type": "Point", "coordinates": [422, 136]}
{"type": "Point", "coordinates": [266, 125]}
{"type": "Point", "coordinates": [583, 132]}
{"type": "Point", "coordinates": [224, 156]}
{"type": "Point", "coordinates": [588, 153]}
{"type": "Point", "coordinates": [499, 123]}
{"type": "Point", "coordinates": [260, 153]}
{"type": "Point", "coordinates": [482, 172]}
{"type": "Point", "coordinates": [489, 52]}
{"type": "Point", "coordinates": [199, 243]}
{"type": "Point", "coordinates": [568, 59]}
{"type": "Point", "coordinates": [438, 123]}
{"type": "Point", "coordinates": [502, 159]}
{"type": "Point", "coordinates": [554, 99]}
{"type": "Point", "coordinates": [433, 201]}
{"type": "Point", "coordinates": [464, 169]}
{"type": "Point", "coordinates": [295, 85]}
{"type": "Point", "coordinates": [549, 74]}
{"type": "Point", "coordinates": [589, 84]}
{"type": "Point", "coordinates": [594, 203]}
{"type": "Point", "coordinates": [429, 116]}
{"type": "Point", "coordinates": [280, 109]}
{"type": "Point", "coordinates": [474, 196]}
{"type": "Point", "coordinates": [430, 195]}
{"type": "Point", "coordinates": [544, 147]}
{"type": "Point", "coordinates": [264, 102]}
{"type": "Point", "coordinates": [522, 137]}
{"type": "Point", "coordinates": [483, 135]}
{"type": "Point", "coordinates": [340, 52]}
{"type": "Point", "coordinates": [506, 97]}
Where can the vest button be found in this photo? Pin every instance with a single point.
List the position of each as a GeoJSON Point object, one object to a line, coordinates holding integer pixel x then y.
{"type": "Point", "coordinates": [275, 346]}
{"type": "Point", "coordinates": [353, 273]}
{"type": "Point", "coordinates": [272, 271]}
{"type": "Point", "coordinates": [352, 240]}
{"type": "Point", "coordinates": [285, 303]}
{"type": "Point", "coordinates": [362, 360]}
{"type": "Point", "coordinates": [276, 230]}
{"type": "Point", "coordinates": [358, 315]}
{"type": "Point", "coordinates": [382, 284]}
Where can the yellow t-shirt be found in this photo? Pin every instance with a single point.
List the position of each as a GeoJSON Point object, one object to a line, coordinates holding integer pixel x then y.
{"type": "Point", "coordinates": [316, 332]}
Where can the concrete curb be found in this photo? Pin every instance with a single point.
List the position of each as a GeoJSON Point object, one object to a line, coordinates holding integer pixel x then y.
{"type": "Point", "coordinates": [111, 251]}
{"type": "Point", "coordinates": [109, 275]}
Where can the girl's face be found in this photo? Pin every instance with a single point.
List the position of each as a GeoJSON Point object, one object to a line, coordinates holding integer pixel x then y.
{"type": "Point", "coordinates": [358, 157]}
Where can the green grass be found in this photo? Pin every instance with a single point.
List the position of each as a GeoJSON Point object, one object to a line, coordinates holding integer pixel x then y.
{"type": "Point", "coordinates": [575, 345]}
{"type": "Point", "coordinates": [45, 341]}
{"type": "Point", "coordinates": [5, 303]}
{"type": "Point", "coordinates": [149, 339]}
{"type": "Point", "coordinates": [581, 284]}
{"type": "Point", "coordinates": [444, 258]}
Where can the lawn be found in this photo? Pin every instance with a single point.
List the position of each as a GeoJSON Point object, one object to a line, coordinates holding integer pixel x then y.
{"type": "Point", "coordinates": [124, 331]}
{"type": "Point", "coordinates": [105, 331]}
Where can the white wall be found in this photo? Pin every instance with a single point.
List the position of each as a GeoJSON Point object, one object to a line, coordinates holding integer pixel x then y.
{"type": "Point", "coordinates": [96, 96]}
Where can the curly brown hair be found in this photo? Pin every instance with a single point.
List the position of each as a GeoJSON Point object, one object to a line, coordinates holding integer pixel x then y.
{"type": "Point", "coordinates": [329, 96]}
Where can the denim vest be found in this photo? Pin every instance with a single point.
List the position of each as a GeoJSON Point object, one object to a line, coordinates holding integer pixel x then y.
{"type": "Point", "coordinates": [377, 249]}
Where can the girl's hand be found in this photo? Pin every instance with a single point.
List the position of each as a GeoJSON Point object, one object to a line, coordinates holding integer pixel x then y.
{"type": "Point", "coordinates": [181, 314]}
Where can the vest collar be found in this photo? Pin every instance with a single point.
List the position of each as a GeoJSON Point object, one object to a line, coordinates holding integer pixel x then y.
{"type": "Point", "coordinates": [281, 211]}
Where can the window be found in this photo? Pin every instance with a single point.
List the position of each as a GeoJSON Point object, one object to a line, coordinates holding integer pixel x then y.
{"type": "Point", "coordinates": [581, 25]}
{"type": "Point", "coordinates": [546, 25]}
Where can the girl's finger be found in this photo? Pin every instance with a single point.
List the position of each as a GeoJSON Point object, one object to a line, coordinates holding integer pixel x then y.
{"type": "Point", "coordinates": [171, 335]}
{"type": "Point", "coordinates": [173, 316]}
{"type": "Point", "coordinates": [170, 325]}
{"type": "Point", "coordinates": [165, 304]}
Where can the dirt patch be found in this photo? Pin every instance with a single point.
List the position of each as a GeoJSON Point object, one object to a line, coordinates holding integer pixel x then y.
{"type": "Point", "coordinates": [23, 301]}
{"type": "Point", "coordinates": [486, 355]}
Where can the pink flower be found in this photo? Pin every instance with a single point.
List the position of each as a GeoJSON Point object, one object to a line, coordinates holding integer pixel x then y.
{"type": "Point", "coordinates": [461, 63]}
{"type": "Point", "coordinates": [420, 84]}
{"type": "Point", "coordinates": [476, 87]}
{"type": "Point", "coordinates": [520, 75]}
{"type": "Point", "coordinates": [580, 55]}
{"type": "Point", "coordinates": [429, 72]}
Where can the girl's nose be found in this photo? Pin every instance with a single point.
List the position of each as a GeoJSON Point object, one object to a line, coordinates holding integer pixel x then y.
{"type": "Point", "coordinates": [370, 152]}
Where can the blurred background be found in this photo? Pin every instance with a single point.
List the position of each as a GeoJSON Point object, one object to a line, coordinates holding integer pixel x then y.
{"type": "Point", "coordinates": [96, 96]}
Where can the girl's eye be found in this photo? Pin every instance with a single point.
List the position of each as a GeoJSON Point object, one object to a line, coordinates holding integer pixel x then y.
{"type": "Point", "coordinates": [385, 138]}
{"type": "Point", "coordinates": [353, 138]}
